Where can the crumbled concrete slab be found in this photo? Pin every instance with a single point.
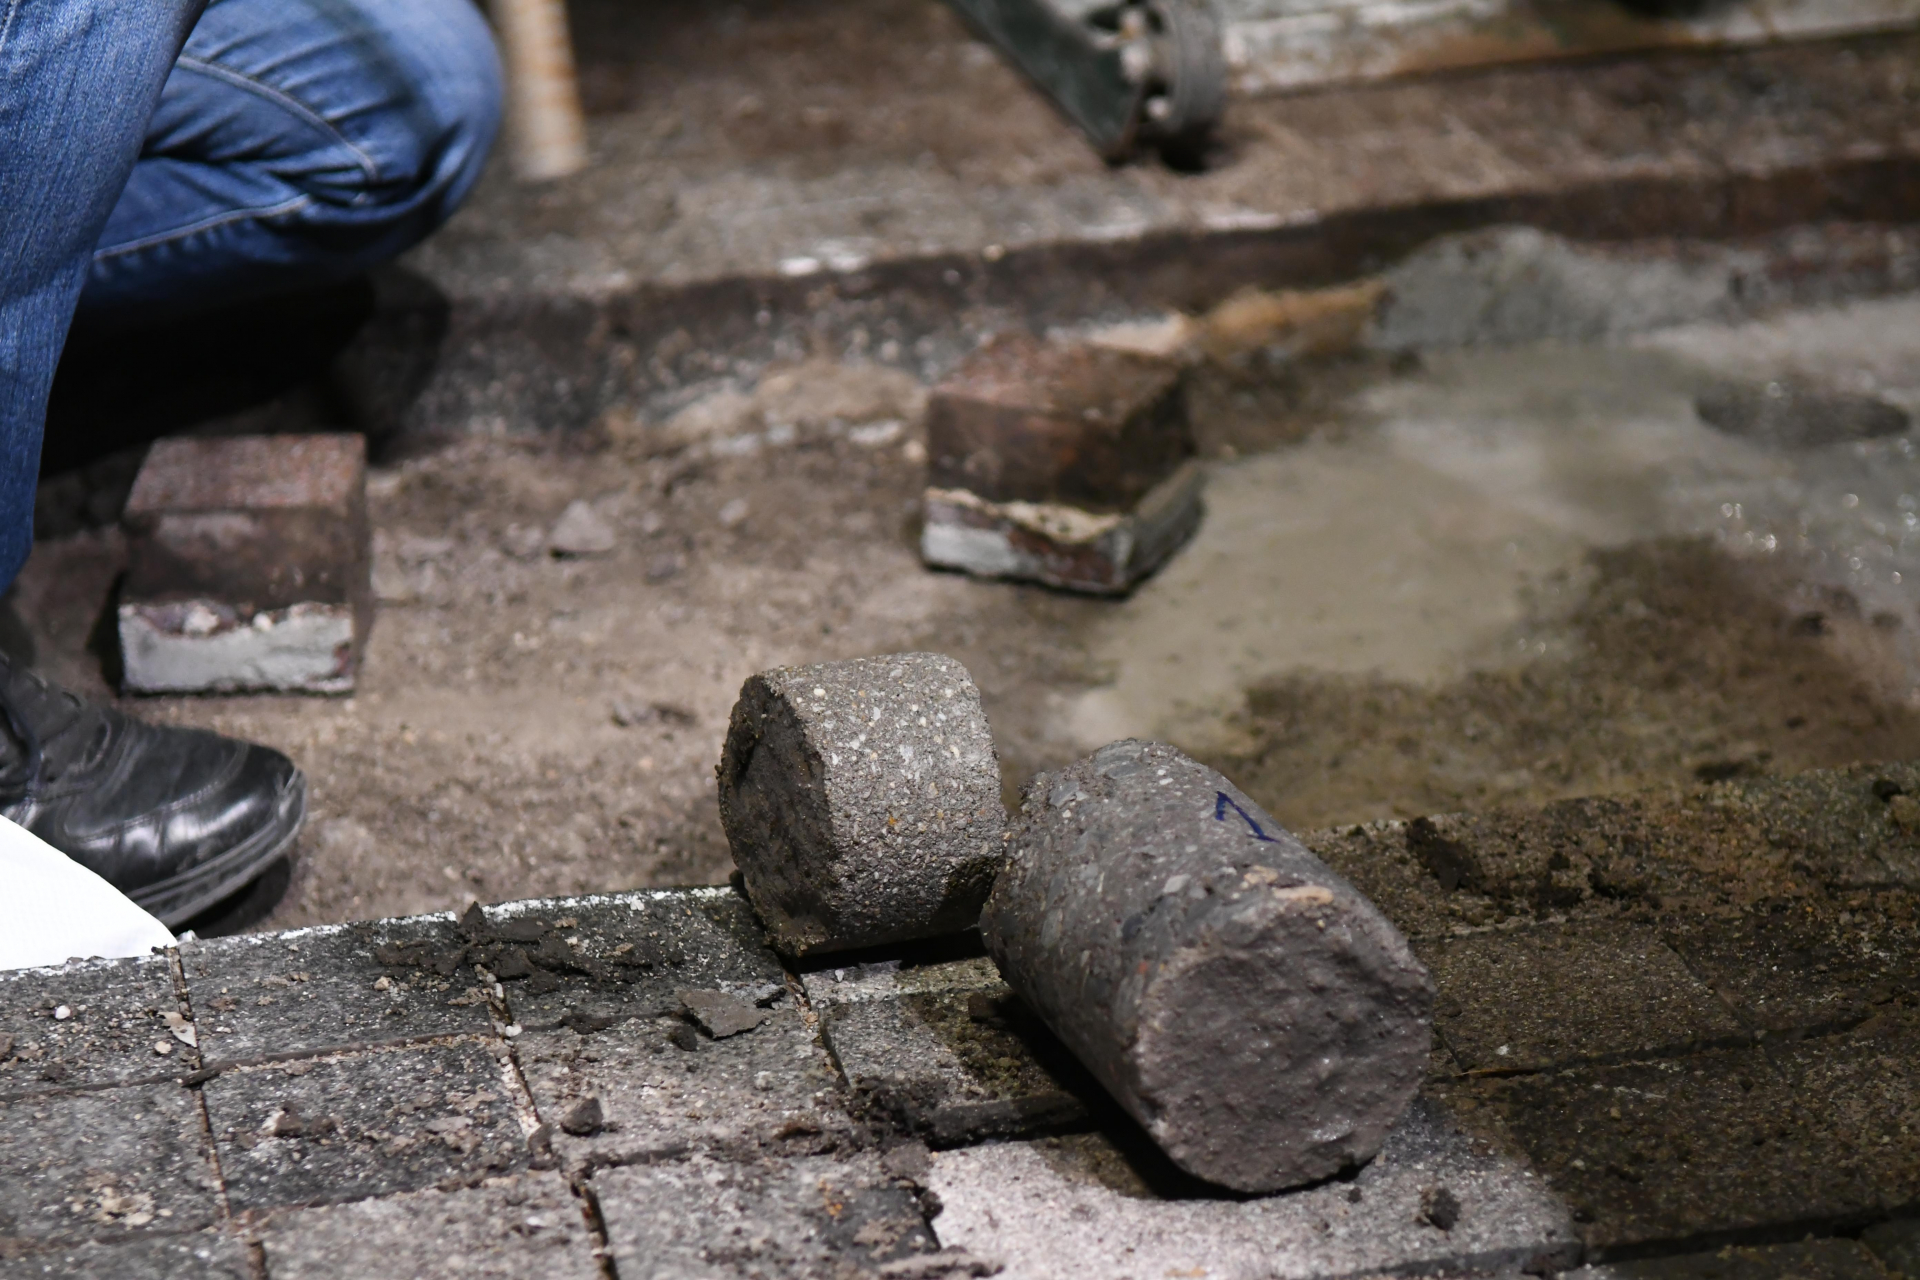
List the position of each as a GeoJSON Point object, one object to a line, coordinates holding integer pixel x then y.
{"type": "Point", "coordinates": [665, 1088]}
{"type": "Point", "coordinates": [1809, 965]}
{"type": "Point", "coordinates": [261, 996]}
{"type": "Point", "coordinates": [808, 1218]}
{"type": "Point", "coordinates": [1652, 1156]}
{"type": "Point", "coordinates": [82, 1025]}
{"type": "Point", "coordinates": [1803, 1260]}
{"type": "Point", "coordinates": [891, 979]}
{"type": "Point", "coordinates": [106, 1164]}
{"type": "Point", "coordinates": [1556, 995]}
{"type": "Point", "coordinates": [1079, 1206]}
{"type": "Point", "coordinates": [1859, 1091]}
{"type": "Point", "coordinates": [531, 1225]}
{"type": "Point", "coordinates": [203, 1255]}
{"type": "Point", "coordinates": [1379, 861]}
{"type": "Point", "coordinates": [954, 1064]}
{"type": "Point", "coordinates": [628, 955]}
{"type": "Point", "coordinates": [318, 1131]}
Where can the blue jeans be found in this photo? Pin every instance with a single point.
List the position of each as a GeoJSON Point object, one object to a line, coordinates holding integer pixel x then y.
{"type": "Point", "coordinates": [157, 160]}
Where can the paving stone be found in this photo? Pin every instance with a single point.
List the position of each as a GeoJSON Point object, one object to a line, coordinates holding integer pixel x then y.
{"type": "Point", "coordinates": [1861, 1090]}
{"type": "Point", "coordinates": [104, 1164]}
{"type": "Point", "coordinates": [319, 1131]}
{"type": "Point", "coordinates": [271, 995]}
{"type": "Point", "coordinates": [1081, 1205]}
{"type": "Point", "coordinates": [1557, 995]}
{"type": "Point", "coordinates": [1804, 1260]}
{"type": "Point", "coordinates": [204, 1255]}
{"type": "Point", "coordinates": [531, 1225]}
{"type": "Point", "coordinates": [115, 1012]}
{"type": "Point", "coordinates": [626, 955]}
{"type": "Point", "coordinates": [247, 565]}
{"type": "Point", "coordinates": [1662, 1154]}
{"type": "Point", "coordinates": [1809, 965]}
{"type": "Point", "coordinates": [806, 1218]}
{"type": "Point", "coordinates": [665, 1088]}
{"type": "Point", "coordinates": [946, 1052]}
{"type": "Point", "coordinates": [1897, 1246]}
{"type": "Point", "coordinates": [1376, 859]}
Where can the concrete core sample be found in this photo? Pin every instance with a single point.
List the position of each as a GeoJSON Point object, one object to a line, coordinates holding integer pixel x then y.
{"type": "Point", "coordinates": [861, 800]}
{"type": "Point", "coordinates": [248, 563]}
{"type": "Point", "coordinates": [1251, 1009]}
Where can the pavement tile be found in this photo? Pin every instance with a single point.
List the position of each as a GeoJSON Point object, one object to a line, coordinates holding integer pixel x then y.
{"type": "Point", "coordinates": [1829, 1259]}
{"type": "Point", "coordinates": [508, 1228]}
{"type": "Point", "coordinates": [1560, 994]}
{"type": "Point", "coordinates": [1664, 1154]}
{"type": "Point", "coordinates": [800, 1219]}
{"type": "Point", "coordinates": [1378, 860]}
{"type": "Point", "coordinates": [319, 1131]}
{"type": "Point", "coordinates": [1862, 1089]}
{"type": "Point", "coordinates": [1808, 966]}
{"type": "Point", "coordinates": [203, 1255]}
{"type": "Point", "coordinates": [626, 955]}
{"type": "Point", "coordinates": [1437, 1198]}
{"type": "Point", "coordinates": [115, 1014]}
{"type": "Point", "coordinates": [665, 1088]}
{"type": "Point", "coordinates": [109, 1163]}
{"type": "Point", "coordinates": [1897, 1246]}
{"type": "Point", "coordinates": [261, 996]}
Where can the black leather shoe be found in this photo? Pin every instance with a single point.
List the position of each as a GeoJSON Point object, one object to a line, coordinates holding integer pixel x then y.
{"type": "Point", "coordinates": [176, 819]}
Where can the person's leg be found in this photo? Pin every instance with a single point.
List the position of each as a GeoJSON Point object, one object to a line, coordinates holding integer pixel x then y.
{"type": "Point", "coordinates": [297, 142]}
{"type": "Point", "coordinates": [78, 83]}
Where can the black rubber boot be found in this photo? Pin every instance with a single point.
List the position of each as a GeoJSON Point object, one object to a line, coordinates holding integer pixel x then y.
{"type": "Point", "coordinates": [176, 819]}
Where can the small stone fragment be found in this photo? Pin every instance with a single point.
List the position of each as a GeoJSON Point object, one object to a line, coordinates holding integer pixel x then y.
{"type": "Point", "coordinates": [62, 1013]}
{"type": "Point", "coordinates": [683, 1036]}
{"type": "Point", "coordinates": [861, 801]}
{"type": "Point", "coordinates": [163, 1047]}
{"type": "Point", "coordinates": [581, 532]}
{"type": "Point", "coordinates": [722, 1013]}
{"type": "Point", "coordinates": [584, 1118]}
{"type": "Point", "coordinates": [910, 1161]}
{"type": "Point", "coordinates": [1252, 1010]}
{"type": "Point", "coordinates": [1439, 1207]}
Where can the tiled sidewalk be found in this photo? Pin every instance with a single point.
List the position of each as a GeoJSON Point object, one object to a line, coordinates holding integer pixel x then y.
{"type": "Point", "coordinates": [1679, 1035]}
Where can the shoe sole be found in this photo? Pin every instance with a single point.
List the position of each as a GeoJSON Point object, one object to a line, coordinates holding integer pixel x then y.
{"type": "Point", "coordinates": [178, 899]}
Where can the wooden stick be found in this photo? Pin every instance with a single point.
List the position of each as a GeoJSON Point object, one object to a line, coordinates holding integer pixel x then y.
{"type": "Point", "coordinates": [546, 127]}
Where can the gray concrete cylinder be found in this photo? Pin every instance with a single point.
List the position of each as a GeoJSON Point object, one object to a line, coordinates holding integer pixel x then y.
{"type": "Point", "coordinates": [1252, 1010]}
{"type": "Point", "coordinates": [861, 800]}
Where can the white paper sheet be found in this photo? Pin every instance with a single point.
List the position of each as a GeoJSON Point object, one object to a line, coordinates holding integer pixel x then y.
{"type": "Point", "coordinates": [53, 909]}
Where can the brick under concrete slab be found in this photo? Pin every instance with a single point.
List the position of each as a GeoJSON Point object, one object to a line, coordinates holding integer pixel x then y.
{"type": "Point", "coordinates": [104, 1165]}
{"type": "Point", "coordinates": [203, 1255]}
{"type": "Point", "coordinates": [1556, 995]}
{"type": "Point", "coordinates": [83, 1025]}
{"type": "Point", "coordinates": [325, 1130]}
{"type": "Point", "coordinates": [627, 955]}
{"type": "Point", "coordinates": [813, 1218]}
{"type": "Point", "coordinates": [1809, 965]}
{"type": "Point", "coordinates": [1684, 1154]}
{"type": "Point", "coordinates": [1079, 1206]}
{"type": "Point", "coordinates": [506, 1229]}
{"type": "Point", "coordinates": [273, 995]}
{"type": "Point", "coordinates": [1803, 1260]}
{"type": "Point", "coordinates": [665, 1089]}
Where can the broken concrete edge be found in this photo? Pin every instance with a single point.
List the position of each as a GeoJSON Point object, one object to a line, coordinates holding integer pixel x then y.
{"type": "Point", "coordinates": [206, 646]}
{"type": "Point", "coordinates": [1059, 545]}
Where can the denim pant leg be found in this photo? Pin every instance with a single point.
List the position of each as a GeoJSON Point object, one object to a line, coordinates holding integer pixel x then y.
{"type": "Point", "coordinates": [78, 81]}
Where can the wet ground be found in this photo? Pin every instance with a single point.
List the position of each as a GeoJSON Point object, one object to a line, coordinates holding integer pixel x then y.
{"type": "Point", "coordinates": [1467, 577]}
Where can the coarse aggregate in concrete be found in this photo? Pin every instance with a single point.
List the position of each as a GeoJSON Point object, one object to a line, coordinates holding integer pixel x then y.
{"type": "Point", "coordinates": [1896, 1244]}
{"type": "Point", "coordinates": [814, 1218]}
{"type": "Point", "coordinates": [1555, 995]}
{"type": "Point", "coordinates": [626, 955]}
{"type": "Point", "coordinates": [387, 981]}
{"type": "Point", "coordinates": [665, 1088]}
{"type": "Point", "coordinates": [1807, 965]}
{"type": "Point", "coordinates": [201, 1255]}
{"type": "Point", "coordinates": [87, 1024]}
{"type": "Point", "coordinates": [1660, 1156]}
{"type": "Point", "coordinates": [505, 1229]}
{"type": "Point", "coordinates": [1829, 1259]}
{"type": "Point", "coordinates": [1080, 1205]}
{"type": "Point", "coordinates": [354, 1126]}
{"type": "Point", "coordinates": [861, 800]}
{"type": "Point", "coordinates": [104, 1164]}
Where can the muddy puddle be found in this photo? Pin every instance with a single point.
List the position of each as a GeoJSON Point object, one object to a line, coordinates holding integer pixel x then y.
{"type": "Point", "coordinates": [1482, 576]}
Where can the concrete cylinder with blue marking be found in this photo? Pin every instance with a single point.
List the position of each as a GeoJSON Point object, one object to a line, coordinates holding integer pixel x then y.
{"type": "Point", "coordinates": [1251, 1009]}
